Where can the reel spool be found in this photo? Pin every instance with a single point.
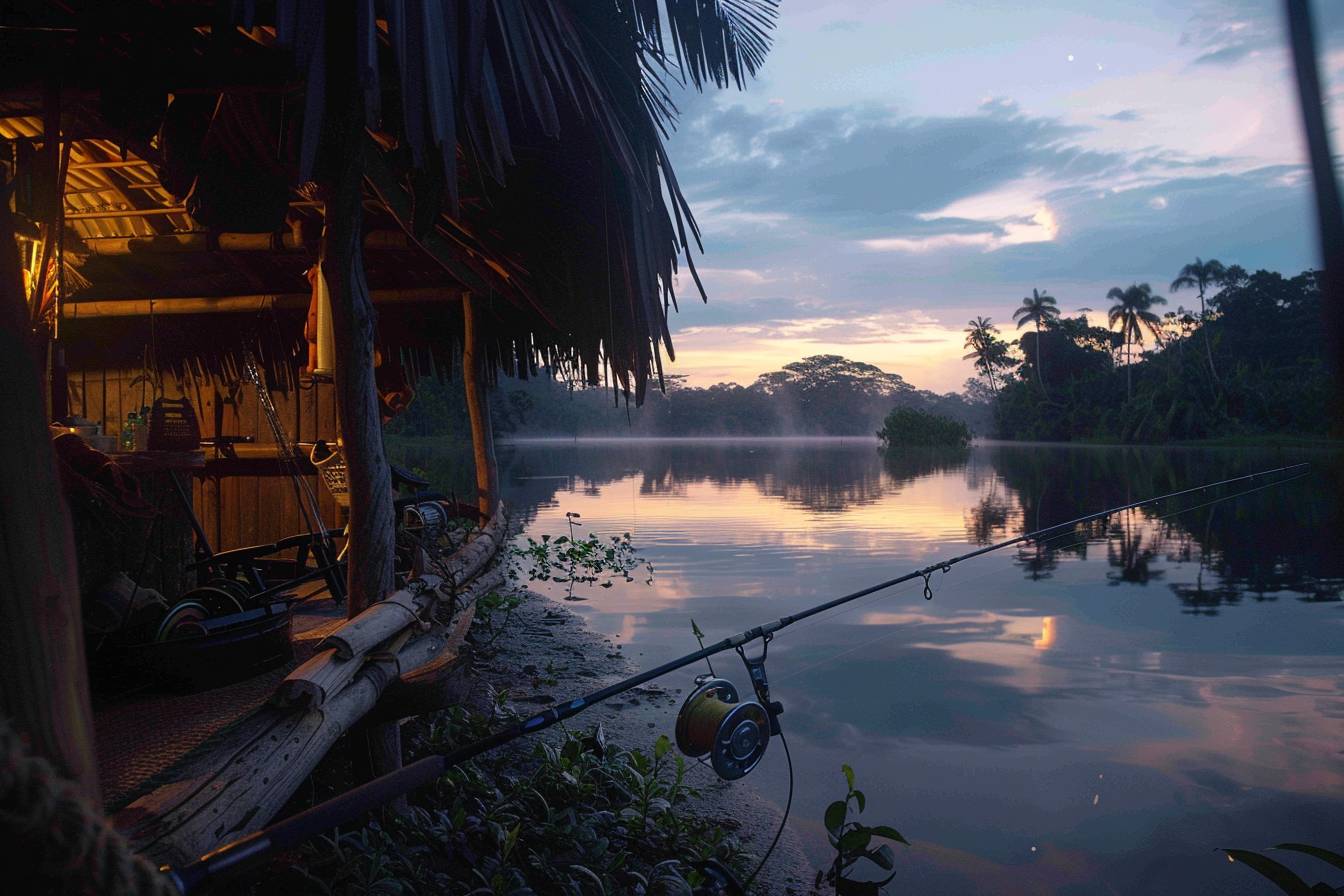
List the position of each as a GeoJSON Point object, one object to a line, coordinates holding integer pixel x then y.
{"type": "Point", "coordinates": [185, 618]}
{"type": "Point", "coordinates": [427, 520]}
{"type": "Point", "coordinates": [733, 734]}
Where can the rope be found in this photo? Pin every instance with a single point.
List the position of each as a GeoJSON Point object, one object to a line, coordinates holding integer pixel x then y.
{"type": "Point", "coordinates": [65, 844]}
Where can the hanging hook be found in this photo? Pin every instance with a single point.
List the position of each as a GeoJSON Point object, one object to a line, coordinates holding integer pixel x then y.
{"type": "Point", "coordinates": [928, 590]}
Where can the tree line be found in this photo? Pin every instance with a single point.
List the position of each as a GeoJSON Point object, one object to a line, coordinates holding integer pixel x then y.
{"type": "Point", "coordinates": [818, 395]}
{"type": "Point", "coordinates": [1249, 361]}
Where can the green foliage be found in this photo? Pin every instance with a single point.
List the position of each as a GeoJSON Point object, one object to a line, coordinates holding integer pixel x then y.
{"type": "Point", "coordinates": [905, 427]}
{"type": "Point", "coordinates": [576, 817]}
{"type": "Point", "coordinates": [1284, 877]}
{"type": "Point", "coordinates": [570, 560]}
{"type": "Point", "coordinates": [1253, 363]}
{"type": "Point", "coordinates": [853, 842]}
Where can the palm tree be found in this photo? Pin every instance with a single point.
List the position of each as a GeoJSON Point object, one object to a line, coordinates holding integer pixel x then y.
{"type": "Point", "coordinates": [1200, 275]}
{"type": "Point", "coordinates": [1038, 308]}
{"type": "Point", "coordinates": [985, 347]}
{"type": "Point", "coordinates": [1132, 311]}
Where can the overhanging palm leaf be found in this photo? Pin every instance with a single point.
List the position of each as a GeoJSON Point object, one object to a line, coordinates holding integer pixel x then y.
{"type": "Point", "coordinates": [548, 94]}
{"type": "Point", "coordinates": [721, 41]}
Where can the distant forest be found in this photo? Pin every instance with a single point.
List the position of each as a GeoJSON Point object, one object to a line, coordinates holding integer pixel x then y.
{"type": "Point", "coordinates": [820, 395]}
{"type": "Point", "coordinates": [1248, 361]}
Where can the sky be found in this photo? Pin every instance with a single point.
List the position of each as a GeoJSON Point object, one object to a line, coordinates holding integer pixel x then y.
{"type": "Point", "coordinates": [899, 167]}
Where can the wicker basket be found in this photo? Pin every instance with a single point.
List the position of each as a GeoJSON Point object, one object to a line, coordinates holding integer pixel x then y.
{"type": "Point", "coordinates": [330, 466]}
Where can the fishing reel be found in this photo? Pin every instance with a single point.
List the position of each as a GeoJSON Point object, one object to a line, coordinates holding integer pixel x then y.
{"type": "Point", "coordinates": [733, 733]}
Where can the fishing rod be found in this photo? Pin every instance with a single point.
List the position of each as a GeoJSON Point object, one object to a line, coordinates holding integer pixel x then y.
{"type": "Point", "coordinates": [712, 721]}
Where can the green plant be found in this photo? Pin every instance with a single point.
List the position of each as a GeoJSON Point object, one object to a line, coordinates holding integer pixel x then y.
{"type": "Point", "coordinates": [493, 612]}
{"type": "Point", "coordinates": [853, 842]}
{"type": "Point", "coordinates": [1285, 878]}
{"type": "Point", "coordinates": [908, 426]}
{"type": "Point", "coordinates": [576, 816]}
{"type": "Point", "coordinates": [571, 560]}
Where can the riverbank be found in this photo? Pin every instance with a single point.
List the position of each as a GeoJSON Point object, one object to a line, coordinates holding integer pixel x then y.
{"type": "Point", "coordinates": [547, 653]}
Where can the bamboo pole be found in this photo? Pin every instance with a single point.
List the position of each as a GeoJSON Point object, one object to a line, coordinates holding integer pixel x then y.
{"type": "Point", "coordinates": [44, 688]}
{"type": "Point", "coordinates": [478, 409]}
{"type": "Point", "coordinates": [200, 241]}
{"type": "Point", "coordinates": [294, 301]}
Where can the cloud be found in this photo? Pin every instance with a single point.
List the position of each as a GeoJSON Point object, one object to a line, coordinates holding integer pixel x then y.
{"type": "Point", "coordinates": [869, 173]}
{"type": "Point", "coordinates": [740, 276]}
{"type": "Point", "coordinates": [1040, 226]}
{"type": "Point", "coordinates": [1123, 115]}
{"type": "Point", "coordinates": [1228, 32]}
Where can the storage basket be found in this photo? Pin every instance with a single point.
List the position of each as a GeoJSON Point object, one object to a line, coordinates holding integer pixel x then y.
{"type": "Point", "coordinates": [330, 465]}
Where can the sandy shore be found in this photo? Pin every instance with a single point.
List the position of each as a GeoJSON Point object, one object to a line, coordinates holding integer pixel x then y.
{"type": "Point", "coordinates": [547, 653]}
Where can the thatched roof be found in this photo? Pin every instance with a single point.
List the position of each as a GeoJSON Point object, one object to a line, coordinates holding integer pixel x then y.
{"type": "Point", "coordinates": [514, 150]}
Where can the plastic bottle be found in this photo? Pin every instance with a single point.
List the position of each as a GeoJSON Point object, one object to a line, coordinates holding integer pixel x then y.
{"type": "Point", "coordinates": [142, 430]}
{"type": "Point", "coordinates": [127, 440]}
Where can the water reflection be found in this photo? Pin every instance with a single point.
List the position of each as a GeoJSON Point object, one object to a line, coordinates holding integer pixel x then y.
{"type": "Point", "coordinates": [1025, 705]}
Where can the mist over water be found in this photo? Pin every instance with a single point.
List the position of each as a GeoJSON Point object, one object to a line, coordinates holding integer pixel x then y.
{"type": "Point", "coordinates": [1093, 714]}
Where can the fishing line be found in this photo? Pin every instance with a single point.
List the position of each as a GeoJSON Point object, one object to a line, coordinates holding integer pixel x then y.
{"type": "Point", "coordinates": [784, 820]}
{"type": "Point", "coordinates": [1078, 540]}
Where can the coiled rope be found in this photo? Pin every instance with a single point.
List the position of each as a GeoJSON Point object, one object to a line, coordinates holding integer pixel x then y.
{"type": "Point", "coordinates": [66, 846]}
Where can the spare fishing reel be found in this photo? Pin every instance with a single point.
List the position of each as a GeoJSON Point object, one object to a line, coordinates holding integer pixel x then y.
{"type": "Point", "coordinates": [733, 733]}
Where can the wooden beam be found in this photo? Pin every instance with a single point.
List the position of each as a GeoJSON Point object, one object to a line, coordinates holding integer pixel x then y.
{"type": "Point", "coordinates": [293, 301]}
{"type": "Point", "coordinates": [478, 409]}
{"type": "Point", "coordinates": [149, 212]}
{"type": "Point", "coordinates": [203, 241]}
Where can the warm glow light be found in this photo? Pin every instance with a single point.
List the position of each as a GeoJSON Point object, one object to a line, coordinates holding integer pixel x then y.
{"type": "Point", "coordinates": [1048, 634]}
{"type": "Point", "coordinates": [914, 344]}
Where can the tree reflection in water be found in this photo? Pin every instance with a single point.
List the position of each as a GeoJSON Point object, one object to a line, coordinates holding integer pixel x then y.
{"type": "Point", "coordinates": [1254, 548]}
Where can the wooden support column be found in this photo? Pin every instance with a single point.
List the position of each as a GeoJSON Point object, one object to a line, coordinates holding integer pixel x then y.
{"type": "Point", "coordinates": [372, 539]}
{"type": "Point", "coordinates": [45, 687]}
{"type": "Point", "coordinates": [478, 409]}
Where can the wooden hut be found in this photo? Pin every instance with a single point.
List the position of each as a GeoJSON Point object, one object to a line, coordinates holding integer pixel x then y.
{"type": "Point", "coordinates": [483, 181]}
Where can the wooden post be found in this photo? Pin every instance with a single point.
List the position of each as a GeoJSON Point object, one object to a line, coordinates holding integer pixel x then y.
{"type": "Point", "coordinates": [45, 686]}
{"type": "Point", "coordinates": [478, 409]}
{"type": "Point", "coordinates": [372, 539]}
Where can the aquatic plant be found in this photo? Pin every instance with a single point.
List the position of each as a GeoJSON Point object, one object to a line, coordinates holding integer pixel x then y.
{"type": "Point", "coordinates": [569, 559]}
{"type": "Point", "coordinates": [853, 842]}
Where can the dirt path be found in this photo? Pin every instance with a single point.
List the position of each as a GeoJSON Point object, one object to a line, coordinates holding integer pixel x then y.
{"type": "Point", "coordinates": [548, 653]}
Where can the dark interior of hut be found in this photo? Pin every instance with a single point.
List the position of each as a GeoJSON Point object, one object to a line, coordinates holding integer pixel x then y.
{"type": "Point", "coordinates": [170, 249]}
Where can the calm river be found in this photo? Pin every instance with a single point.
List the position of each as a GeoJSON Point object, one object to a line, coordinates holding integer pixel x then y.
{"type": "Point", "coordinates": [1091, 715]}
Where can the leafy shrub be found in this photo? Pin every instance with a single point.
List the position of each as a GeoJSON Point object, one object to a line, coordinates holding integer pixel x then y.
{"type": "Point", "coordinates": [580, 816]}
{"type": "Point", "coordinates": [908, 426]}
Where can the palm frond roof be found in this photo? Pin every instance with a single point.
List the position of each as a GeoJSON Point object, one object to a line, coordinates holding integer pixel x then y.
{"type": "Point", "coordinates": [517, 146]}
